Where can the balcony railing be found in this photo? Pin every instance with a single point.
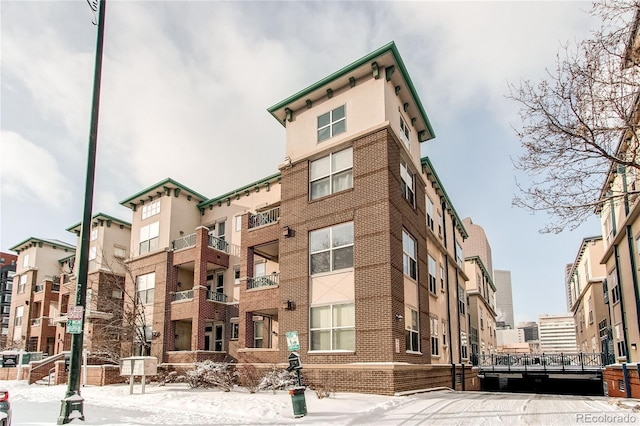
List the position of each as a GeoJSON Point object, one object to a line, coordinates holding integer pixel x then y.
{"type": "Point", "coordinates": [218, 244]}
{"type": "Point", "coordinates": [216, 297]}
{"type": "Point", "coordinates": [264, 218]}
{"type": "Point", "coordinates": [36, 322]}
{"type": "Point", "coordinates": [38, 288]}
{"type": "Point", "coordinates": [55, 287]}
{"type": "Point", "coordinates": [265, 281]}
{"type": "Point", "coordinates": [184, 242]}
{"type": "Point", "coordinates": [183, 295]}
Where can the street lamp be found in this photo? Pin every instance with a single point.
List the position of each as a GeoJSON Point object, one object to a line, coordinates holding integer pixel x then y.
{"type": "Point", "coordinates": [72, 404]}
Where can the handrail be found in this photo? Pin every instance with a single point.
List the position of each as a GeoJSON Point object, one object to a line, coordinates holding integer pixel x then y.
{"type": "Point", "coordinates": [183, 295]}
{"type": "Point", "coordinates": [264, 281]}
{"type": "Point", "coordinates": [264, 218]}
{"type": "Point", "coordinates": [218, 244]}
{"type": "Point", "coordinates": [184, 242]}
{"type": "Point", "coordinates": [216, 297]}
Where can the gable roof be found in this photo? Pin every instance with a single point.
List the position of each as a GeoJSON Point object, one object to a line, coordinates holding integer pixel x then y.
{"type": "Point", "coordinates": [99, 217]}
{"type": "Point", "coordinates": [33, 241]}
{"type": "Point", "coordinates": [164, 186]}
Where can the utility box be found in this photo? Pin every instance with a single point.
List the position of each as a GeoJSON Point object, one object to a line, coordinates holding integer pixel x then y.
{"type": "Point", "coordinates": [138, 366]}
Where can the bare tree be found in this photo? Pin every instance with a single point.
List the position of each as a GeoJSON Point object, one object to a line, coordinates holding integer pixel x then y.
{"type": "Point", "coordinates": [579, 123]}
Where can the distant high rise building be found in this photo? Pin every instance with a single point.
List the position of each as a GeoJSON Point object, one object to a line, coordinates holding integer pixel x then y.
{"type": "Point", "coordinates": [7, 271]}
{"type": "Point", "coordinates": [477, 244]}
{"type": "Point", "coordinates": [504, 298]}
{"type": "Point", "coordinates": [529, 330]}
{"type": "Point", "coordinates": [557, 333]}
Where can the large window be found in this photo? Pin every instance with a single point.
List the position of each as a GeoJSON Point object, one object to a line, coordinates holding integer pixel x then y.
{"type": "Point", "coordinates": [151, 209]}
{"type": "Point", "coordinates": [331, 174]}
{"type": "Point", "coordinates": [145, 284]}
{"type": "Point", "coordinates": [331, 123]}
{"type": "Point", "coordinates": [412, 330]}
{"type": "Point", "coordinates": [433, 286]}
{"type": "Point", "coordinates": [149, 237]}
{"type": "Point", "coordinates": [406, 183]}
{"type": "Point", "coordinates": [331, 249]}
{"type": "Point", "coordinates": [23, 284]}
{"type": "Point", "coordinates": [333, 328]}
{"type": "Point", "coordinates": [409, 264]}
{"type": "Point", "coordinates": [435, 347]}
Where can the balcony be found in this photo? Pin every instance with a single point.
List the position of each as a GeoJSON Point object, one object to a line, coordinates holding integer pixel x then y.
{"type": "Point", "coordinates": [218, 244]}
{"type": "Point", "coordinates": [38, 288]}
{"type": "Point", "coordinates": [36, 322]}
{"type": "Point", "coordinates": [264, 218]}
{"type": "Point", "coordinates": [264, 281]}
{"type": "Point", "coordinates": [216, 297]}
{"type": "Point", "coordinates": [183, 295]}
{"type": "Point", "coordinates": [184, 242]}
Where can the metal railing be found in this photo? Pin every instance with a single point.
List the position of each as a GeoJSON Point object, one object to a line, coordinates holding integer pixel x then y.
{"type": "Point", "coordinates": [183, 295]}
{"type": "Point", "coordinates": [55, 287]}
{"type": "Point", "coordinates": [542, 362]}
{"type": "Point", "coordinates": [264, 281]}
{"type": "Point", "coordinates": [38, 288]}
{"type": "Point", "coordinates": [218, 244]}
{"type": "Point", "coordinates": [35, 322]}
{"type": "Point", "coordinates": [184, 242]}
{"type": "Point", "coordinates": [216, 297]}
{"type": "Point", "coordinates": [264, 218]}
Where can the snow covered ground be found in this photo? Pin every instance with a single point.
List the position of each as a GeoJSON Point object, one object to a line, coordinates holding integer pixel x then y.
{"type": "Point", "coordinates": [177, 404]}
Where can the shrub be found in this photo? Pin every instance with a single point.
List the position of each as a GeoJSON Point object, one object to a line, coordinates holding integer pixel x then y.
{"type": "Point", "coordinates": [209, 374]}
{"type": "Point", "coordinates": [277, 378]}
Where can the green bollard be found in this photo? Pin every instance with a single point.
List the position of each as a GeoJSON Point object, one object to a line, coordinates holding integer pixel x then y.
{"type": "Point", "coordinates": [298, 401]}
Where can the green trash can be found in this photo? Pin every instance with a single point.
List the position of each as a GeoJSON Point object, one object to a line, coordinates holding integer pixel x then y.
{"type": "Point", "coordinates": [298, 401]}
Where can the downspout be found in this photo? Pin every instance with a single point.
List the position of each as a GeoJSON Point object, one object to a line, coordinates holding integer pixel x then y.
{"type": "Point", "coordinates": [458, 310]}
{"type": "Point", "coordinates": [632, 260]}
{"type": "Point", "coordinates": [446, 264]}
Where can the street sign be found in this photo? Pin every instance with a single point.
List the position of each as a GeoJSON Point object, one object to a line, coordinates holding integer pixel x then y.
{"type": "Point", "coordinates": [292, 340]}
{"type": "Point", "coordinates": [75, 312]}
{"type": "Point", "coordinates": [74, 326]}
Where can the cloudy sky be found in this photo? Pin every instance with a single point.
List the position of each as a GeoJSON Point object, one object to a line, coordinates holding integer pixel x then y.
{"type": "Point", "coordinates": [186, 86]}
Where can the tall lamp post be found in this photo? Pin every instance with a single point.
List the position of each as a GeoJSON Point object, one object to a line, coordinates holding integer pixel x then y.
{"type": "Point", "coordinates": [72, 404]}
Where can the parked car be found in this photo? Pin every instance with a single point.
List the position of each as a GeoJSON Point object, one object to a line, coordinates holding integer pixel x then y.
{"type": "Point", "coordinates": [5, 408]}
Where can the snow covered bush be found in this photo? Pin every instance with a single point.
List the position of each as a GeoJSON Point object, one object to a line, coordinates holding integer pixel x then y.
{"type": "Point", "coordinates": [208, 374]}
{"type": "Point", "coordinates": [277, 378]}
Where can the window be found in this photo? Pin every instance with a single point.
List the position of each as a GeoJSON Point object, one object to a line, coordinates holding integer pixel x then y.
{"type": "Point", "coordinates": [481, 319]}
{"type": "Point", "coordinates": [235, 330]}
{"type": "Point", "coordinates": [19, 313]}
{"type": "Point", "coordinates": [94, 234]}
{"type": "Point", "coordinates": [412, 330]}
{"type": "Point", "coordinates": [608, 228]}
{"type": "Point", "coordinates": [409, 264]}
{"type": "Point", "coordinates": [6, 310]}
{"type": "Point", "coordinates": [331, 174]}
{"type": "Point", "coordinates": [615, 288]}
{"type": "Point", "coordinates": [145, 284]}
{"type": "Point", "coordinates": [459, 259]}
{"type": "Point", "coordinates": [405, 131]}
{"type": "Point", "coordinates": [238, 221]}
{"type": "Point", "coordinates": [260, 269]}
{"type": "Point", "coordinates": [331, 123]}
{"type": "Point", "coordinates": [119, 252]}
{"type": "Point", "coordinates": [429, 213]}
{"type": "Point", "coordinates": [442, 278]}
{"type": "Point", "coordinates": [440, 224]}
{"type": "Point", "coordinates": [25, 261]}
{"type": "Point", "coordinates": [590, 309]}
{"type": "Point", "coordinates": [258, 334]}
{"type": "Point", "coordinates": [93, 253]}
{"type": "Point", "coordinates": [7, 298]}
{"type": "Point", "coordinates": [331, 249]}
{"type": "Point", "coordinates": [220, 282]}
{"type": "Point", "coordinates": [149, 237]}
{"type": "Point", "coordinates": [433, 284]}
{"type": "Point", "coordinates": [151, 209]}
{"type": "Point", "coordinates": [221, 229]}
{"type": "Point", "coordinates": [444, 334]}
{"type": "Point", "coordinates": [333, 328]}
{"type": "Point", "coordinates": [218, 337]}
{"type": "Point", "coordinates": [406, 183]}
{"type": "Point", "coordinates": [23, 284]}
{"type": "Point", "coordinates": [463, 345]}
{"type": "Point", "coordinates": [435, 350]}
{"type": "Point", "coordinates": [461, 301]}
{"type": "Point", "coordinates": [236, 274]}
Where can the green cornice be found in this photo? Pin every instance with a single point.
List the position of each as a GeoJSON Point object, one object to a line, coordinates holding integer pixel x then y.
{"type": "Point", "coordinates": [255, 186]}
{"type": "Point", "coordinates": [32, 241]}
{"type": "Point", "coordinates": [478, 260]}
{"type": "Point", "coordinates": [427, 163]}
{"type": "Point", "coordinates": [389, 47]}
{"type": "Point", "coordinates": [102, 216]}
{"type": "Point", "coordinates": [138, 196]}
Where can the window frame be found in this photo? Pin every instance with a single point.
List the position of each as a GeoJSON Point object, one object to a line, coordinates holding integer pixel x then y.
{"type": "Point", "coordinates": [150, 209]}
{"type": "Point", "coordinates": [148, 242]}
{"type": "Point", "coordinates": [432, 270]}
{"type": "Point", "coordinates": [435, 343]}
{"type": "Point", "coordinates": [331, 123]}
{"type": "Point", "coordinates": [331, 174]}
{"type": "Point", "coordinates": [331, 249]}
{"type": "Point", "coordinates": [148, 290]}
{"type": "Point", "coordinates": [331, 328]}
{"type": "Point", "coordinates": [408, 189]}
{"type": "Point", "coordinates": [412, 330]}
{"type": "Point", "coordinates": [408, 261]}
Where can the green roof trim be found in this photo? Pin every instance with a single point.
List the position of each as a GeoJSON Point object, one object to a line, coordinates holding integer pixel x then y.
{"type": "Point", "coordinates": [160, 184]}
{"type": "Point", "coordinates": [389, 47]}
{"type": "Point", "coordinates": [479, 262]}
{"type": "Point", "coordinates": [238, 191]}
{"type": "Point", "coordinates": [99, 216]}
{"type": "Point", "coordinates": [427, 163]}
{"type": "Point", "coordinates": [33, 240]}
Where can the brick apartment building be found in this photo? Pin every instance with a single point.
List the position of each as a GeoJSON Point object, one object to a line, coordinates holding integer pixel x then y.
{"type": "Point", "coordinates": [354, 245]}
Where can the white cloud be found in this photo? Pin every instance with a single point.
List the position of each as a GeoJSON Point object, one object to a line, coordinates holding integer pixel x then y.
{"type": "Point", "coordinates": [29, 171]}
